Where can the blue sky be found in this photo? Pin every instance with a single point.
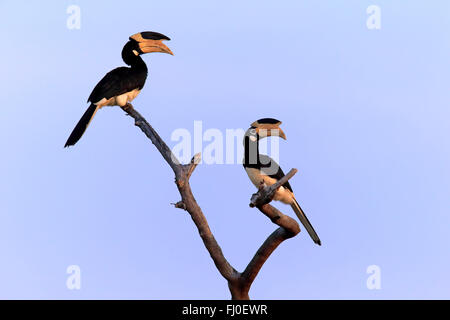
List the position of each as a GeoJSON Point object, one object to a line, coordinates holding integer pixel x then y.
{"type": "Point", "coordinates": [365, 113]}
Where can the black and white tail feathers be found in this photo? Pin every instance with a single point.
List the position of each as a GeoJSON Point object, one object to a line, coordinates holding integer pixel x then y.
{"type": "Point", "coordinates": [304, 220]}
{"type": "Point", "coordinates": [81, 126]}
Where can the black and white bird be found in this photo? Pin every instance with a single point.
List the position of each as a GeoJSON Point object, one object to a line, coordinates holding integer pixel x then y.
{"type": "Point", "coordinates": [261, 168]}
{"type": "Point", "coordinates": [123, 84]}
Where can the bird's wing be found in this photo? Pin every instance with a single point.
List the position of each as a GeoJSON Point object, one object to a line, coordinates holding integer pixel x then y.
{"type": "Point", "coordinates": [273, 169]}
{"type": "Point", "coordinates": [114, 83]}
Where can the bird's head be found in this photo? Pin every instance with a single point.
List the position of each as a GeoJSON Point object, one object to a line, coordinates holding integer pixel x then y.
{"type": "Point", "coordinates": [146, 42]}
{"type": "Point", "coordinates": [263, 128]}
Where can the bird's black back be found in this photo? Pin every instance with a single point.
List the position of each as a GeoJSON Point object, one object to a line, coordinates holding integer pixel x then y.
{"type": "Point", "coordinates": [117, 82]}
{"type": "Point", "coordinates": [273, 169]}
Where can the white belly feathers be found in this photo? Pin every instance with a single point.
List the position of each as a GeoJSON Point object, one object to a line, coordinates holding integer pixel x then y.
{"type": "Point", "coordinates": [119, 100]}
{"type": "Point", "coordinates": [284, 195]}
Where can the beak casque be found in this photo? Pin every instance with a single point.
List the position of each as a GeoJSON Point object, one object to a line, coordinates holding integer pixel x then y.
{"type": "Point", "coordinates": [269, 129]}
{"type": "Point", "coordinates": [151, 45]}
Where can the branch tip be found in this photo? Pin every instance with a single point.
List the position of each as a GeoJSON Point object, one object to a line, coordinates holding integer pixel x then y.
{"type": "Point", "coordinates": [193, 164]}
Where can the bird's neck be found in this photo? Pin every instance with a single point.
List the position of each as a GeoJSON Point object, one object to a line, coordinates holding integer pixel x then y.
{"type": "Point", "coordinates": [134, 61]}
{"type": "Point", "coordinates": [137, 63]}
{"type": "Point", "coordinates": [251, 153]}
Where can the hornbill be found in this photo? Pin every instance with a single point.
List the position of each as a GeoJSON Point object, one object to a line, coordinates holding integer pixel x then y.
{"type": "Point", "coordinates": [122, 84]}
{"type": "Point", "coordinates": [261, 168]}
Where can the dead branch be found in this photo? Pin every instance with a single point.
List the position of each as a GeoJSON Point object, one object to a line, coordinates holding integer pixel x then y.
{"type": "Point", "coordinates": [238, 283]}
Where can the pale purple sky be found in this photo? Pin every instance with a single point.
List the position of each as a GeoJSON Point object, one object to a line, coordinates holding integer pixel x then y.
{"type": "Point", "coordinates": [365, 113]}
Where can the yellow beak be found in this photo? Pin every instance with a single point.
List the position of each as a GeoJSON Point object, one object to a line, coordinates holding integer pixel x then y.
{"type": "Point", "coordinates": [150, 45]}
{"type": "Point", "coordinates": [281, 134]}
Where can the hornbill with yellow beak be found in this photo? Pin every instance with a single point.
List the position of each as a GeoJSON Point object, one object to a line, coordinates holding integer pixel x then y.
{"type": "Point", "coordinates": [122, 84]}
{"type": "Point", "coordinates": [261, 168]}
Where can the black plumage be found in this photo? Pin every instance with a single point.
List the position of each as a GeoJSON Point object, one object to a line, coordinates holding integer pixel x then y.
{"type": "Point", "coordinates": [117, 82]}
{"type": "Point", "coordinates": [122, 79]}
{"type": "Point", "coordinates": [268, 162]}
{"type": "Point", "coordinates": [122, 84]}
{"type": "Point", "coordinates": [263, 162]}
{"type": "Point", "coordinates": [263, 168]}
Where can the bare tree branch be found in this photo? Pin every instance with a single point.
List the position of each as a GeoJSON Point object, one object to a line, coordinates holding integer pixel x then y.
{"type": "Point", "coordinates": [238, 283]}
{"type": "Point", "coordinates": [155, 138]}
{"type": "Point", "coordinates": [288, 229]}
{"type": "Point", "coordinates": [194, 162]}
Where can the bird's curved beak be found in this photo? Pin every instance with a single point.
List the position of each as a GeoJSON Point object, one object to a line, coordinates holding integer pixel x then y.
{"type": "Point", "coordinates": [148, 46]}
{"type": "Point", "coordinates": [151, 45]}
{"type": "Point", "coordinates": [281, 133]}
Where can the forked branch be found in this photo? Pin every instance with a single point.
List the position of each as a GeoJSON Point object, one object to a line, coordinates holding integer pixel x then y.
{"type": "Point", "coordinates": [238, 283]}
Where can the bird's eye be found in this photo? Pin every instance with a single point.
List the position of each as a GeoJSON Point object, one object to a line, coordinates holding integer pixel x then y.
{"type": "Point", "coordinates": [253, 131]}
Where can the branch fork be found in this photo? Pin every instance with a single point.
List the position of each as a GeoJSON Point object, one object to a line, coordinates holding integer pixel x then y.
{"type": "Point", "coordinates": [239, 283]}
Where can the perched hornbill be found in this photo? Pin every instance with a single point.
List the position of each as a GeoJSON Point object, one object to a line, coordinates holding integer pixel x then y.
{"type": "Point", "coordinates": [122, 84]}
{"type": "Point", "coordinates": [263, 168]}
